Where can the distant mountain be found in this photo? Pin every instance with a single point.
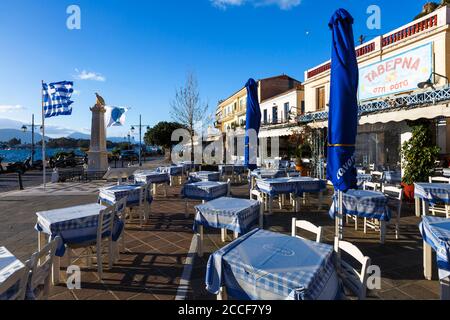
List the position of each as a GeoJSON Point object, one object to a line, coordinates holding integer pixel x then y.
{"type": "Point", "coordinates": [25, 137]}
{"type": "Point", "coordinates": [79, 136]}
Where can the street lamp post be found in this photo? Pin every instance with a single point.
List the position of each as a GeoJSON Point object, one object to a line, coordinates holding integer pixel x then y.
{"type": "Point", "coordinates": [32, 126]}
{"type": "Point", "coordinates": [133, 129]}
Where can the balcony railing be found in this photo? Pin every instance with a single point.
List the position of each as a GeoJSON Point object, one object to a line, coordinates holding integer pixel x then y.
{"type": "Point", "coordinates": [411, 101]}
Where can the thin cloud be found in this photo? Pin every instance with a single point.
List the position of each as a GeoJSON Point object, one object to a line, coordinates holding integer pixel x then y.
{"type": "Point", "coordinates": [11, 108]}
{"type": "Point", "coordinates": [282, 4]}
{"type": "Point", "coordinates": [89, 75]}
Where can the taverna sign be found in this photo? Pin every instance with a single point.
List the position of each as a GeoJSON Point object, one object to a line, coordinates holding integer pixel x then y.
{"type": "Point", "coordinates": [396, 74]}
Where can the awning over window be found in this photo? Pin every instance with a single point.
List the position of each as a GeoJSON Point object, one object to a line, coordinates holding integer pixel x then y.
{"type": "Point", "coordinates": [281, 132]}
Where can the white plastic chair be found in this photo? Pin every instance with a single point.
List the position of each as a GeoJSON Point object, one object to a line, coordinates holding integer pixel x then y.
{"type": "Point", "coordinates": [41, 271]}
{"type": "Point", "coordinates": [103, 241]}
{"type": "Point", "coordinates": [307, 226]}
{"type": "Point", "coordinates": [18, 280]}
{"type": "Point", "coordinates": [353, 279]}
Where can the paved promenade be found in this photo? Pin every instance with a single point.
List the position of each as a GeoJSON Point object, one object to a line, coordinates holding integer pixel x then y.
{"type": "Point", "coordinates": [158, 263]}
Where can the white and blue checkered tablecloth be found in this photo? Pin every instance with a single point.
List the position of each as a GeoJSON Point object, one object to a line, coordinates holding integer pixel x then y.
{"type": "Point", "coordinates": [264, 265]}
{"type": "Point", "coordinates": [204, 176]}
{"type": "Point", "coordinates": [9, 264]}
{"type": "Point", "coordinates": [436, 232]}
{"type": "Point", "coordinates": [295, 185]}
{"type": "Point", "coordinates": [364, 204]}
{"type": "Point", "coordinates": [268, 173]}
{"type": "Point", "coordinates": [151, 177]}
{"type": "Point", "coordinates": [74, 225]}
{"type": "Point", "coordinates": [113, 194]}
{"type": "Point", "coordinates": [205, 190]}
{"type": "Point", "coordinates": [361, 178]}
{"type": "Point", "coordinates": [433, 192]}
{"type": "Point", "coordinates": [173, 171]}
{"type": "Point", "coordinates": [237, 215]}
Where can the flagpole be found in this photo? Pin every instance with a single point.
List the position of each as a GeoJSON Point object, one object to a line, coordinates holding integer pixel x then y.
{"type": "Point", "coordinates": [44, 162]}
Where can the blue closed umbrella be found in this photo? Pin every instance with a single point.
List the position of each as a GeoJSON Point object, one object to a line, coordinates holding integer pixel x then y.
{"type": "Point", "coordinates": [253, 124]}
{"type": "Point", "coordinates": [343, 113]}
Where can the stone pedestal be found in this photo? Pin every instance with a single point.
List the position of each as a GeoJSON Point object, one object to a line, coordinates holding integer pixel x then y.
{"type": "Point", "coordinates": [98, 154]}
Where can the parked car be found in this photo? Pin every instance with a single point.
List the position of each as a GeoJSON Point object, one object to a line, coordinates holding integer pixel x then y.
{"type": "Point", "coordinates": [129, 155]}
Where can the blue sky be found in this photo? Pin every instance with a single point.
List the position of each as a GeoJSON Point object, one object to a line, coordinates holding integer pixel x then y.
{"type": "Point", "coordinates": [135, 53]}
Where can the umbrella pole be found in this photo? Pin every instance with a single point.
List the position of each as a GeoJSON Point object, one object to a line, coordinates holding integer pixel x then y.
{"type": "Point", "coordinates": [339, 216]}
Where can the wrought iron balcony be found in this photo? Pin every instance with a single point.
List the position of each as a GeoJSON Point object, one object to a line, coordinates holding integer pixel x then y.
{"type": "Point", "coordinates": [409, 101]}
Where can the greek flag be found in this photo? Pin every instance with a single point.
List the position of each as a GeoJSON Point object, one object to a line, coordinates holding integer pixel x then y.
{"type": "Point", "coordinates": [56, 98]}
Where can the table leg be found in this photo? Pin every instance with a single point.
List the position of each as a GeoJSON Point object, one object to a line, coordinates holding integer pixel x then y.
{"type": "Point", "coordinates": [41, 242]}
{"type": "Point", "coordinates": [200, 237]}
{"type": "Point", "coordinates": [186, 208]}
{"type": "Point", "coordinates": [261, 216]}
{"type": "Point", "coordinates": [154, 189]}
{"type": "Point", "coordinates": [236, 235]}
{"type": "Point", "coordinates": [382, 232]}
{"type": "Point", "coordinates": [223, 235]}
{"type": "Point", "coordinates": [320, 200]}
{"type": "Point", "coordinates": [417, 200]}
{"type": "Point", "coordinates": [270, 205]}
{"type": "Point", "coordinates": [427, 261]}
{"type": "Point", "coordinates": [56, 270]}
{"type": "Point", "coordinates": [425, 207]}
{"type": "Point", "coordinates": [445, 289]}
{"type": "Point", "coordinates": [222, 294]}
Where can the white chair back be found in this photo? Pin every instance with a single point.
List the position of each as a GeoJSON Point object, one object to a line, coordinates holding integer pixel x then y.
{"type": "Point", "coordinates": [120, 207]}
{"type": "Point", "coordinates": [105, 224]}
{"type": "Point", "coordinates": [360, 171]}
{"type": "Point", "coordinates": [307, 226]}
{"type": "Point", "coordinates": [353, 279]}
{"type": "Point", "coordinates": [41, 270]}
{"type": "Point", "coordinates": [143, 193]}
{"type": "Point", "coordinates": [439, 180]}
{"type": "Point", "coordinates": [18, 281]}
{"type": "Point", "coordinates": [370, 186]}
{"type": "Point", "coordinates": [377, 175]}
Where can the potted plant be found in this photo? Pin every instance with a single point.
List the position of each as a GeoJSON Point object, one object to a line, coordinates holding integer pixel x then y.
{"type": "Point", "coordinates": [419, 156]}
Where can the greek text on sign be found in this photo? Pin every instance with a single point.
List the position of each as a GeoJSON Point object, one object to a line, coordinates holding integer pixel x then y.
{"type": "Point", "coordinates": [397, 74]}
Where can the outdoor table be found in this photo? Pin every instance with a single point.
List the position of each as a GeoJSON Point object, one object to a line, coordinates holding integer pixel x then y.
{"type": "Point", "coordinates": [436, 235]}
{"type": "Point", "coordinates": [265, 174]}
{"type": "Point", "coordinates": [9, 264]}
{"type": "Point", "coordinates": [132, 192]}
{"type": "Point", "coordinates": [153, 178]}
{"type": "Point", "coordinates": [295, 186]}
{"type": "Point", "coordinates": [392, 177]}
{"type": "Point", "coordinates": [205, 191]}
{"type": "Point", "coordinates": [74, 225]}
{"type": "Point", "coordinates": [204, 176]}
{"type": "Point", "coordinates": [264, 265]}
{"type": "Point", "coordinates": [237, 215]}
{"type": "Point", "coordinates": [362, 178]}
{"type": "Point", "coordinates": [433, 193]}
{"type": "Point", "coordinates": [365, 204]}
{"type": "Point", "coordinates": [173, 171]}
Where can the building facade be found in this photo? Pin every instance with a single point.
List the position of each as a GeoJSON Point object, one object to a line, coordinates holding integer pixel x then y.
{"type": "Point", "coordinates": [231, 112]}
{"type": "Point", "coordinates": [403, 77]}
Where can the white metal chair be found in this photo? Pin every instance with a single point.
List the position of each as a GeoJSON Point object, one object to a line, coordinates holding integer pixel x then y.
{"type": "Point", "coordinates": [440, 208]}
{"type": "Point", "coordinates": [15, 287]}
{"type": "Point", "coordinates": [395, 201]}
{"type": "Point", "coordinates": [142, 207]}
{"type": "Point", "coordinates": [41, 271]}
{"type": "Point", "coordinates": [377, 177]}
{"type": "Point", "coordinates": [102, 241]}
{"type": "Point", "coordinates": [353, 279]}
{"type": "Point", "coordinates": [307, 226]}
{"type": "Point", "coordinates": [120, 209]}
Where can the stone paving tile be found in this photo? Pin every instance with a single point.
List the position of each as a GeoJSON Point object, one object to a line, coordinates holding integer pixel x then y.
{"type": "Point", "coordinates": [151, 266]}
{"type": "Point", "coordinates": [400, 260]}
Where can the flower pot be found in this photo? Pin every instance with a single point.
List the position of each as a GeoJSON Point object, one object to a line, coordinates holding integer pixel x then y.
{"type": "Point", "coordinates": [408, 190]}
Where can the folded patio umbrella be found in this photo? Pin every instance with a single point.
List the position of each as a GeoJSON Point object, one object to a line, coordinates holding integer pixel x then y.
{"type": "Point", "coordinates": [343, 113]}
{"type": "Point", "coordinates": [253, 123]}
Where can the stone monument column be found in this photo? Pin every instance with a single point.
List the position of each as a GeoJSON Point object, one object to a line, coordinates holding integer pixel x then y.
{"type": "Point", "coordinates": [98, 154]}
